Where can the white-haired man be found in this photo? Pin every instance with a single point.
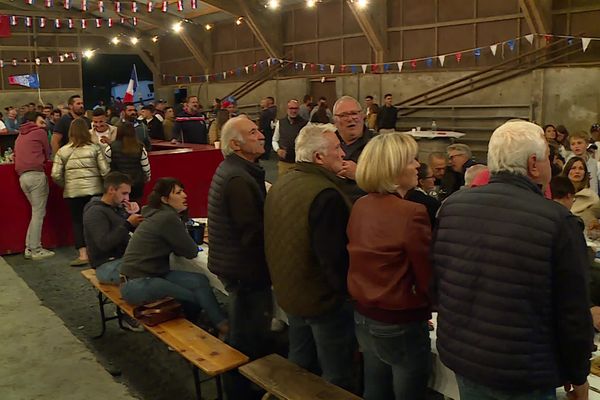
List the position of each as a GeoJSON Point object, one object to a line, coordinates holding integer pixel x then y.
{"type": "Point", "coordinates": [236, 235]}
{"type": "Point", "coordinates": [306, 214]}
{"type": "Point", "coordinates": [511, 278]}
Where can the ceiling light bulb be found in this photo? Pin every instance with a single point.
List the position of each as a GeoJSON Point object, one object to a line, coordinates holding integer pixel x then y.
{"type": "Point", "coordinates": [115, 40]}
{"type": "Point", "coordinates": [177, 27]}
{"type": "Point", "coordinates": [361, 3]}
{"type": "Point", "coordinates": [273, 4]}
{"type": "Point", "coordinates": [154, 39]}
{"type": "Point", "coordinates": [208, 27]}
{"type": "Point", "coordinates": [88, 53]}
{"type": "Point", "coordinates": [239, 21]}
{"type": "Point", "coordinates": [134, 40]}
{"type": "Point", "coordinates": [310, 3]}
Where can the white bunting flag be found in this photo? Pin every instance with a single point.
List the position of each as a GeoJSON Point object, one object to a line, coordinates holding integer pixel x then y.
{"type": "Point", "coordinates": [529, 38]}
{"type": "Point", "coordinates": [98, 22]}
{"type": "Point", "coordinates": [364, 68]}
{"type": "Point", "coordinates": [224, 75]}
{"type": "Point", "coordinates": [110, 22]}
{"type": "Point", "coordinates": [61, 58]}
{"type": "Point", "coordinates": [50, 61]}
{"type": "Point", "coordinates": [70, 23]}
{"type": "Point", "coordinates": [84, 5]}
{"type": "Point", "coordinates": [42, 22]}
{"type": "Point", "coordinates": [400, 63]}
{"type": "Point", "coordinates": [206, 77]}
{"type": "Point", "coordinates": [269, 61]}
{"type": "Point", "coordinates": [101, 6]}
{"type": "Point", "coordinates": [176, 78]}
{"type": "Point", "coordinates": [28, 21]}
{"type": "Point", "coordinates": [442, 59]}
{"type": "Point", "coordinates": [134, 7]}
{"type": "Point", "coordinates": [1, 63]}
{"type": "Point", "coordinates": [303, 66]}
{"type": "Point", "coordinates": [150, 6]}
{"type": "Point", "coordinates": [165, 6]}
{"type": "Point", "coordinates": [246, 68]}
{"type": "Point", "coordinates": [83, 24]}
{"type": "Point", "coordinates": [494, 48]}
{"type": "Point", "coordinates": [585, 42]}
{"type": "Point", "coordinates": [38, 61]}
{"type": "Point", "coordinates": [332, 68]}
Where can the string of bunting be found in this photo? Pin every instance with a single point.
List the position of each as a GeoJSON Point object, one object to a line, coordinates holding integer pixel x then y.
{"type": "Point", "coordinates": [99, 5]}
{"type": "Point", "coordinates": [396, 66]}
{"type": "Point", "coordinates": [70, 23]}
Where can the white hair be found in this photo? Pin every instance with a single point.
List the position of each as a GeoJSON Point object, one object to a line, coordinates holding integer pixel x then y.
{"type": "Point", "coordinates": [310, 141]}
{"type": "Point", "coordinates": [230, 131]}
{"type": "Point", "coordinates": [461, 148]}
{"type": "Point", "coordinates": [342, 99]}
{"type": "Point", "coordinates": [472, 172]}
{"type": "Point", "coordinates": [512, 144]}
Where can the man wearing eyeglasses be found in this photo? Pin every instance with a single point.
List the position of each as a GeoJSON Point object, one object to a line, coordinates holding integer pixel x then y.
{"type": "Point", "coordinates": [285, 134]}
{"type": "Point", "coordinates": [354, 136]}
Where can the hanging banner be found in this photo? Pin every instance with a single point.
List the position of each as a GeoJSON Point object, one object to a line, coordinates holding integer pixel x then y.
{"type": "Point", "coordinates": [29, 80]}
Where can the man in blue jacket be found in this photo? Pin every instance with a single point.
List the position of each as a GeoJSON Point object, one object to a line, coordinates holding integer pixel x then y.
{"type": "Point", "coordinates": [512, 282]}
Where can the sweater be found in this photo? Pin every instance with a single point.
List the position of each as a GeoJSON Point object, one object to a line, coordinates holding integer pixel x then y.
{"type": "Point", "coordinates": [511, 273]}
{"type": "Point", "coordinates": [161, 233]}
{"type": "Point", "coordinates": [387, 117]}
{"type": "Point", "coordinates": [31, 148]}
{"type": "Point", "coordinates": [305, 241]}
{"type": "Point", "coordinates": [106, 231]}
{"type": "Point", "coordinates": [189, 128]}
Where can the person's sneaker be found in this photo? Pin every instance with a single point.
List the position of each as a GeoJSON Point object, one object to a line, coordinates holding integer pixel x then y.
{"type": "Point", "coordinates": [131, 324]}
{"type": "Point", "coordinates": [78, 262]}
{"type": "Point", "coordinates": [27, 254]}
{"type": "Point", "coordinates": [40, 254]}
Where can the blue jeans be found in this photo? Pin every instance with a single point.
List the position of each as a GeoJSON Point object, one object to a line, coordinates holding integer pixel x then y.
{"type": "Point", "coordinates": [110, 272]}
{"type": "Point", "coordinates": [397, 358]}
{"type": "Point", "coordinates": [190, 288]}
{"type": "Point", "coordinates": [325, 344]}
{"type": "Point", "coordinates": [473, 391]}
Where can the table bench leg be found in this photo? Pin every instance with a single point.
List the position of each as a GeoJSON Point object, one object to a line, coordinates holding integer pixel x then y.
{"type": "Point", "coordinates": [102, 301]}
{"type": "Point", "coordinates": [197, 382]}
{"type": "Point", "coordinates": [219, 387]}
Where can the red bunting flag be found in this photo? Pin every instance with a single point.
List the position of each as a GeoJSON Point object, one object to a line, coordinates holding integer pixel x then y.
{"type": "Point", "coordinates": [150, 6]}
{"type": "Point", "coordinates": [117, 6]}
{"type": "Point", "coordinates": [179, 5]}
{"type": "Point", "coordinates": [413, 64]}
{"type": "Point", "coordinates": [101, 6]}
{"type": "Point", "coordinates": [165, 6]}
{"type": "Point", "coordinates": [134, 7]}
{"type": "Point", "coordinates": [458, 57]}
{"type": "Point", "coordinates": [194, 4]}
{"type": "Point", "coordinates": [70, 23]}
{"type": "Point", "coordinates": [98, 22]}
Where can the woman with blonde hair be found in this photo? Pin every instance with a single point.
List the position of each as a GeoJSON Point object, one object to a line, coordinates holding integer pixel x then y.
{"type": "Point", "coordinates": [214, 132]}
{"type": "Point", "coordinates": [79, 167]}
{"type": "Point", "coordinates": [388, 278]}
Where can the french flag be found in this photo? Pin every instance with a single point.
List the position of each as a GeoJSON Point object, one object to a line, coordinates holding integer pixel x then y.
{"type": "Point", "coordinates": [131, 88]}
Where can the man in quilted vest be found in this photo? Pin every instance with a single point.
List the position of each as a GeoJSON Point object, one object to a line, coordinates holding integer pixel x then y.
{"type": "Point", "coordinates": [306, 215]}
{"type": "Point", "coordinates": [511, 272]}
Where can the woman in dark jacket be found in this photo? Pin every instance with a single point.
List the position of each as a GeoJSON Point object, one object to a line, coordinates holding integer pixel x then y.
{"type": "Point", "coordinates": [127, 155]}
{"type": "Point", "coordinates": [146, 260]}
{"type": "Point", "coordinates": [388, 278]}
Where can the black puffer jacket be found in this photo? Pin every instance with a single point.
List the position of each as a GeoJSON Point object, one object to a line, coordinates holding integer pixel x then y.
{"type": "Point", "coordinates": [235, 222]}
{"type": "Point", "coordinates": [511, 277]}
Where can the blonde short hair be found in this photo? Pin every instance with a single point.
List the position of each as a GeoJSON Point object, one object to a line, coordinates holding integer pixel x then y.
{"type": "Point", "coordinates": [383, 160]}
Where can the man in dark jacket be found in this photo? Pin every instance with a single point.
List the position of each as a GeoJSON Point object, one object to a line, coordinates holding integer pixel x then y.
{"type": "Point", "coordinates": [512, 282]}
{"type": "Point", "coordinates": [353, 136]}
{"type": "Point", "coordinates": [268, 114]}
{"type": "Point", "coordinates": [236, 236]}
{"type": "Point", "coordinates": [190, 124]}
{"type": "Point", "coordinates": [154, 126]}
{"type": "Point", "coordinates": [106, 225]}
{"type": "Point", "coordinates": [306, 215]}
{"type": "Point", "coordinates": [461, 159]}
{"type": "Point", "coordinates": [387, 115]}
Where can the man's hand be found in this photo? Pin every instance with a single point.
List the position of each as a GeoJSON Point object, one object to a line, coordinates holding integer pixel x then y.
{"type": "Point", "coordinates": [131, 207]}
{"type": "Point", "coordinates": [135, 219]}
{"type": "Point", "coordinates": [575, 392]}
{"type": "Point", "coordinates": [348, 170]}
{"type": "Point", "coordinates": [104, 139]}
{"type": "Point", "coordinates": [281, 153]}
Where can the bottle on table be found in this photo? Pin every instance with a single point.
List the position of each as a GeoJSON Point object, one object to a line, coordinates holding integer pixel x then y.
{"type": "Point", "coordinates": [433, 127]}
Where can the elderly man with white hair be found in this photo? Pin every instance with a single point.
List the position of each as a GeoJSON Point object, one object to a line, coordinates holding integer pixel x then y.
{"type": "Point", "coordinates": [306, 214]}
{"type": "Point", "coordinates": [235, 213]}
{"type": "Point", "coordinates": [511, 278]}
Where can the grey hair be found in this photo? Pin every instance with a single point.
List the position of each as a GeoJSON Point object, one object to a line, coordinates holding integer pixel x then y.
{"type": "Point", "coordinates": [512, 144]}
{"type": "Point", "coordinates": [461, 148]}
{"type": "Point", "coordinates": [310, 141]}
{"type": "Point", "coordinates": [231, 131]}
{"type": "Point", "coordinates": [345, 98]}
{"type": "Point", "coordinates": [472, 172]}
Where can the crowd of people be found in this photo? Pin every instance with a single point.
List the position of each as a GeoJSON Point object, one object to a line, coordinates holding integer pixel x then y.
{"type": "Point", "coordinates": [358, 240]}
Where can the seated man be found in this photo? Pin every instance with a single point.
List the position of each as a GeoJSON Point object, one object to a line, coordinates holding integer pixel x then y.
{"type": "Point", "coordinates": [107, 221]}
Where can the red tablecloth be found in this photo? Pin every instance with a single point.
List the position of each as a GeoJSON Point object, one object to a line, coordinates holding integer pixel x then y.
{"type": "Point", "coordinates": [194, 167]}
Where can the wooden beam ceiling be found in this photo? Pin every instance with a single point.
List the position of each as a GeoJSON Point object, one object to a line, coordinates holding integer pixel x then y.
{"type": "Point", "coordinates": [373, 23]}
{"type": "Point", "coordinates": [538, 14]}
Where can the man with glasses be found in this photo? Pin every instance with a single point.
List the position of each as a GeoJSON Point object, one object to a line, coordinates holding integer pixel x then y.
{"type": "Point", "coordinates": [460, 157]}
{"type": "Point", "coordinates": [284, 137]}
{"type": "Point", "coordinates": [354, 136]}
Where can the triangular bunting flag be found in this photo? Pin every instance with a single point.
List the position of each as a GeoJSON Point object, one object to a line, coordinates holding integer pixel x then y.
{"type": "Point", "coordinates": [585, 42]}
{"type": "Point", "coordinates": [442, 59]}
{"type": "Point", "coordinates": [529, 38]}
{"type": "Point", "coordinates": [246, 68]}
{"type": "Point", "coordinates": [511, 44]}
{"type": "Point", "coordinates": [413, 64]}
{"type": "Point", "coordinates": [224, 75]}
{"type": "Point", "coordinates": [494, 48]}
{"type": "Point", "coordinates": [303, 66]}
{"type": "Point", "coordinates": [400, 63]}
{"type": "Point", "coordinates": [364, 68]}
{"type": "Point", "coordinates": [458, 57]}
{"type": "Point", "coordinates": [332, 68]}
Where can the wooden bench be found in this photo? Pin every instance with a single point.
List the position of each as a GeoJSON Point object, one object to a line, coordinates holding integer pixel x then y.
{"type": "Point", "coordinates": [287, 381]}
{"type": "Point", "coordinates": [204, 351]}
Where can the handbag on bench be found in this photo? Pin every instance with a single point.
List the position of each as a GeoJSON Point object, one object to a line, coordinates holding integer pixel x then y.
{"type": "Point", "coordinates": [158, 312]}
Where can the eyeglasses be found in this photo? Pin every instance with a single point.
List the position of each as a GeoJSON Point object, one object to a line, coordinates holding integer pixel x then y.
{"type": "Point", "coordinates": [293, 108]}
{"type": "Point", "coordinates": [349, 114]}
{"type": "Point", "coordinates": [451, 156]}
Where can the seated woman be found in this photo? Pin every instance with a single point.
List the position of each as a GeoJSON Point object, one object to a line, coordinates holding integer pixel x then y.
{"type": "Point", "coordinates": [146, 260]}
{"type": "Point", "coordinates": [420, 193]}
{"type": "Point", "coordinates": [389, 274]}
{"type": "Point", "coordinates": [586, 204]}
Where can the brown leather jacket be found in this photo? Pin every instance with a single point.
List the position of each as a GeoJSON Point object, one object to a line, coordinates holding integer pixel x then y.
{"type": "Point", "coordinates": [389, 240]}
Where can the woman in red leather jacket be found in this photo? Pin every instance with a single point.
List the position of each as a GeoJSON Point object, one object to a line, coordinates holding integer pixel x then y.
{"type": "Point", "coordinates": [389, 239]}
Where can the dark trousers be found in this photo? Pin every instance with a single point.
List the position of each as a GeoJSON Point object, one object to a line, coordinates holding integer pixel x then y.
{"type": "Point", "coordinates": [250, 312]}
{"type": "Point", "coordinates": [76, 205]}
